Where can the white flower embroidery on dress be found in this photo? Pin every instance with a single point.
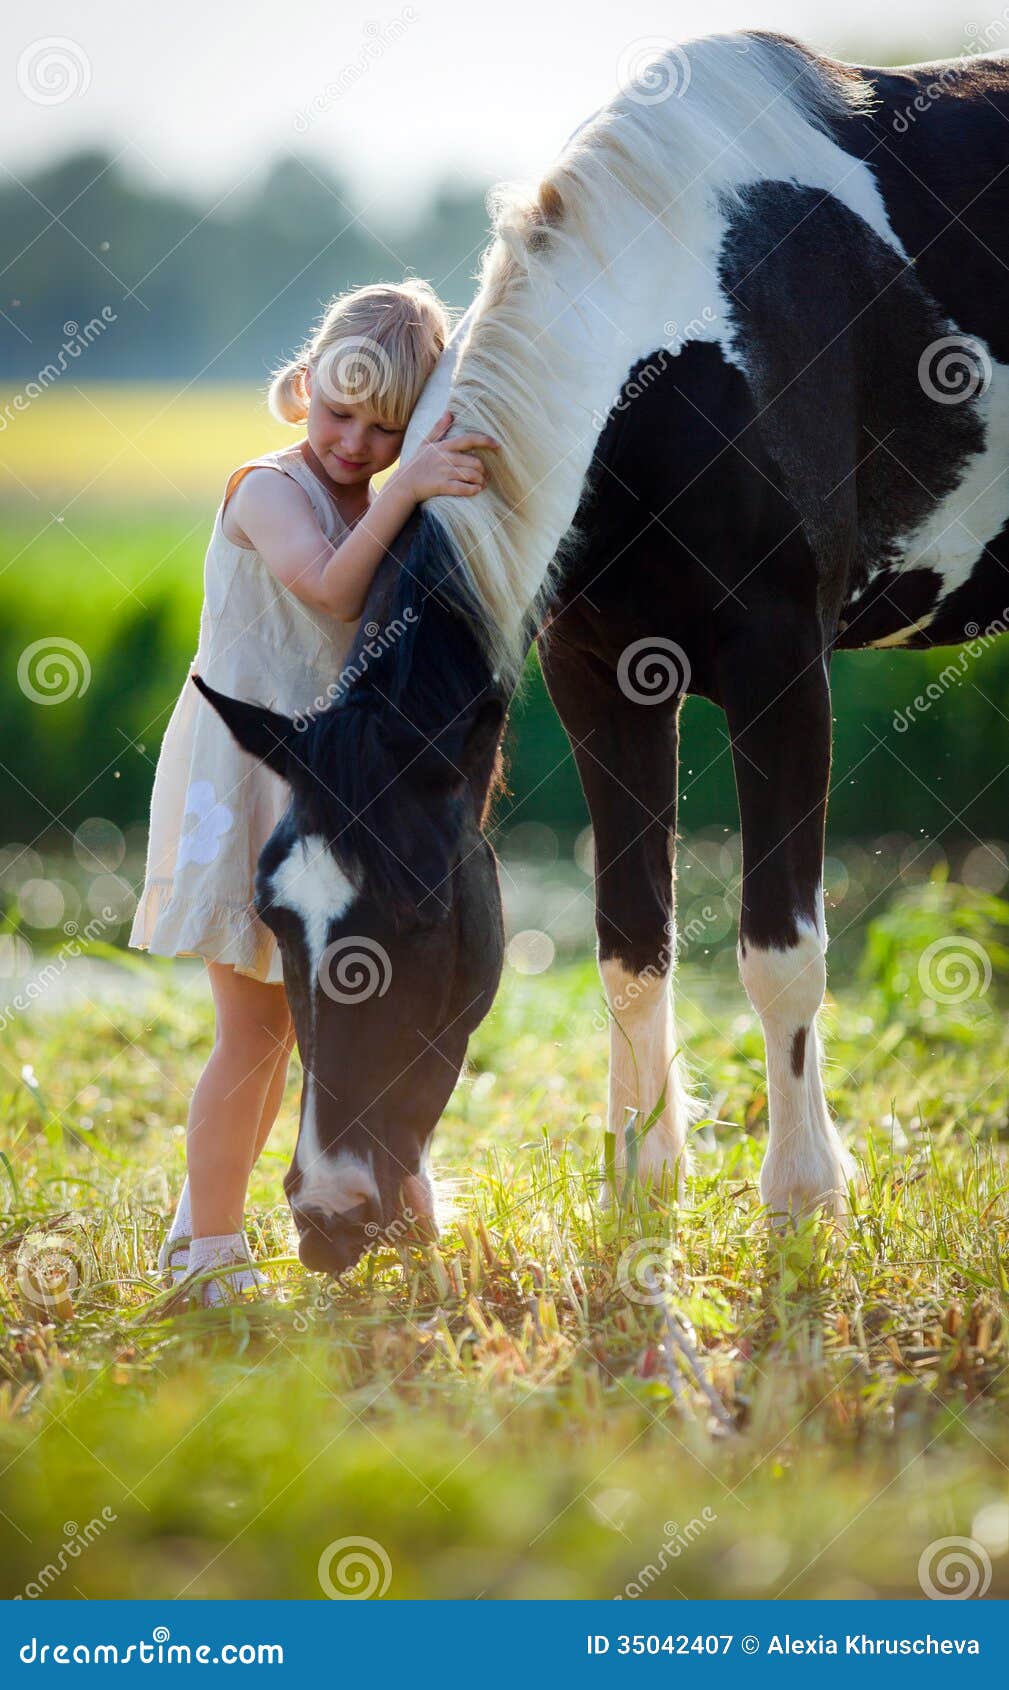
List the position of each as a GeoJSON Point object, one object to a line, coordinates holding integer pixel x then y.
{"type": "Point", "coordinates": [203, 842]}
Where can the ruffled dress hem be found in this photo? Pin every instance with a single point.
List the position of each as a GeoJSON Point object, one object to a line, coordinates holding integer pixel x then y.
{"type": "Point", "coordinates": [205, 927]}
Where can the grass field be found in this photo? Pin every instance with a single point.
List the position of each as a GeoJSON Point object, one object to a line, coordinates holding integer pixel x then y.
{"type": "Point", "coordinates": [504, 1416]}
{"type": "Point", "coordinates": [513, 1413]}
{"type": "Point", "coordinates": [129, 443]}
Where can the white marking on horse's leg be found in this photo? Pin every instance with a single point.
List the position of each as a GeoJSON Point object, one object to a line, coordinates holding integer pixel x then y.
{"type": "Point", "coordinates": [806, 1163]}
{"type": "Point", "coordinates": [642, 1066]}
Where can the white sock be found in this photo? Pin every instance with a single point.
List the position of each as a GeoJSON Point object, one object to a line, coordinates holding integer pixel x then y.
{"type": "Point", "coordinates": [174, 1257]}
{"type": "Point", "coordinates": [223, 1250]}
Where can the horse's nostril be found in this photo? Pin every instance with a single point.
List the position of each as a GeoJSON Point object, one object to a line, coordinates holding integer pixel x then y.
{"type": "Point", "coordinates": [335, 1255]}
{"type": "Point", "coordinates": [333, 1242]}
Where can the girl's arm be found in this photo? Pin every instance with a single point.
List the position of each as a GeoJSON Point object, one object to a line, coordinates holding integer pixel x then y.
{"type": "Point", "coordinates": [277, 517]}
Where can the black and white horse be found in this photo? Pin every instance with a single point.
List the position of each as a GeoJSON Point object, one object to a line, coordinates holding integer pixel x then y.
{"type": "Point", "coordinates": [746, 351]}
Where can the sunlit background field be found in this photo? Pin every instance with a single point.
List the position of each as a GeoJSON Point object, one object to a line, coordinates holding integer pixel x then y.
{"type": "Point", "coordinates": [514, 1412]}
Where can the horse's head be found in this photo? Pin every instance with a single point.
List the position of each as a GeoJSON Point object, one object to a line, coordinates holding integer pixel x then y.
{"type": "Point", "coordinates": [383, 894]}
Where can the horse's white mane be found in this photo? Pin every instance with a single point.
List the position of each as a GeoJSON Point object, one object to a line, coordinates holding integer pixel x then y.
{"type": "Point", "coordinates": [738, 108]}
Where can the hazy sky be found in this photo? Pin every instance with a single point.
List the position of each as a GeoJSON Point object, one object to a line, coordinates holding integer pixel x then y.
{"type": "Point", "coordinates": [393, 94]}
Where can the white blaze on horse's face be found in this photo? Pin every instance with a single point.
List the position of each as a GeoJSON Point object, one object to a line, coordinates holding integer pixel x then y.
{"type": "Point", "coordinates": [311, 885]}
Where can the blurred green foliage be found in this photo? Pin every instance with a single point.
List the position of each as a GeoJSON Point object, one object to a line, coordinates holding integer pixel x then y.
{"type": "Point", "coordinates": [127, 590]}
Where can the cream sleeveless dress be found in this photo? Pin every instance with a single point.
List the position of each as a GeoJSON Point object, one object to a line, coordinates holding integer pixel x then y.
{"type": "Point", "coordinates": [213, 805]}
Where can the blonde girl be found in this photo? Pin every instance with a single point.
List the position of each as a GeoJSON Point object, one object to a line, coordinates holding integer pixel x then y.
{"type": "Point", "coordinates": [295, 544]}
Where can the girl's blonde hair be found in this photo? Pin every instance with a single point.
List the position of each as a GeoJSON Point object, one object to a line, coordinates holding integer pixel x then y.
{"type": "Point", "coordinates": [377, 343]}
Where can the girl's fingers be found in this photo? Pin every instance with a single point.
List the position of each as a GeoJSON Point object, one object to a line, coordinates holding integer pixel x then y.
{"type": "Point", "coordinates": [464, 440]}
{"type": "Point", "coordinates": [444, 422]}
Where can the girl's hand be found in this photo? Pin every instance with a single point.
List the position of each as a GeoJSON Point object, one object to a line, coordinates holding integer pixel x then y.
{"type": "Point", "coordinates": [448, 466]}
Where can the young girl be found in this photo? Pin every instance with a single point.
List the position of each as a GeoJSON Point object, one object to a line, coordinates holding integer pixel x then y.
{"type": "Point", "coordinates": [295, 543]}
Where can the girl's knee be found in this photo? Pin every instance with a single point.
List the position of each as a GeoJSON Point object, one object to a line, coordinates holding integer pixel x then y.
{"type": "Point", "coordinates": [252, 1013]}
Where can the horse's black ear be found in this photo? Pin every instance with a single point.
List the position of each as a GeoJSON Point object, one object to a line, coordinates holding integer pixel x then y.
{"type": "Point", "coordinates": [264, 733]}
{"type": "Point", "coordinates": [461, 754]}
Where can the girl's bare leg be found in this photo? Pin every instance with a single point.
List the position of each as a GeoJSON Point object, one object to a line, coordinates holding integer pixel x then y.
{"type": "Point", "coordinates": [274, 1094]}
{"type": "Point", "coordinates": [228, 1119]}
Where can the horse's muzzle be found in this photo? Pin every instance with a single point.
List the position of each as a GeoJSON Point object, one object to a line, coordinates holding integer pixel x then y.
{"type": "Point", "coordinates": [333, 1243]}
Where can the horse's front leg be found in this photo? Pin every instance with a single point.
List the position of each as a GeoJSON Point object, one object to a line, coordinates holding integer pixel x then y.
{"type": "Point", "coordinates": [777, 700]}
{"type": "Point", "coordinates": [626, 752]}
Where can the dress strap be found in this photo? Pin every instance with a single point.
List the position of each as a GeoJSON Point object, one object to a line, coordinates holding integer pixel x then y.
{"type": "Point", "coordinates": [289, 461]}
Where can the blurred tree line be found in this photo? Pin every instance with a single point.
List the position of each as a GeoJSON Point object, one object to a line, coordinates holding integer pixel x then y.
{"type": "Point", "coordinates": [214, 293]}
{"type": "Point", "coordinates": [941, 771]}
{"type": "Point", "coordinates": [221, 293]}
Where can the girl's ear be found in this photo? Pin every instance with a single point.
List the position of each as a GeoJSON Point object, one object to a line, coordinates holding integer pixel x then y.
{"type": "Point", "coordinates": [264, 733]}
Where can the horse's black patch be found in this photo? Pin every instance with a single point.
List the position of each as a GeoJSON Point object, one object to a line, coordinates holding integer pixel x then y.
{"type": "Point", "coordinates": [830, 324]}
{"type": "Point", "coordinates": [384, 771]}
{"type": "Point", "coordinates": [798, 1051]}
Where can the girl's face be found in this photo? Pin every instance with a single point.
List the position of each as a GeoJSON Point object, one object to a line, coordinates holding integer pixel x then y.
{"type": "Point", "coordinates": [352, 441]}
